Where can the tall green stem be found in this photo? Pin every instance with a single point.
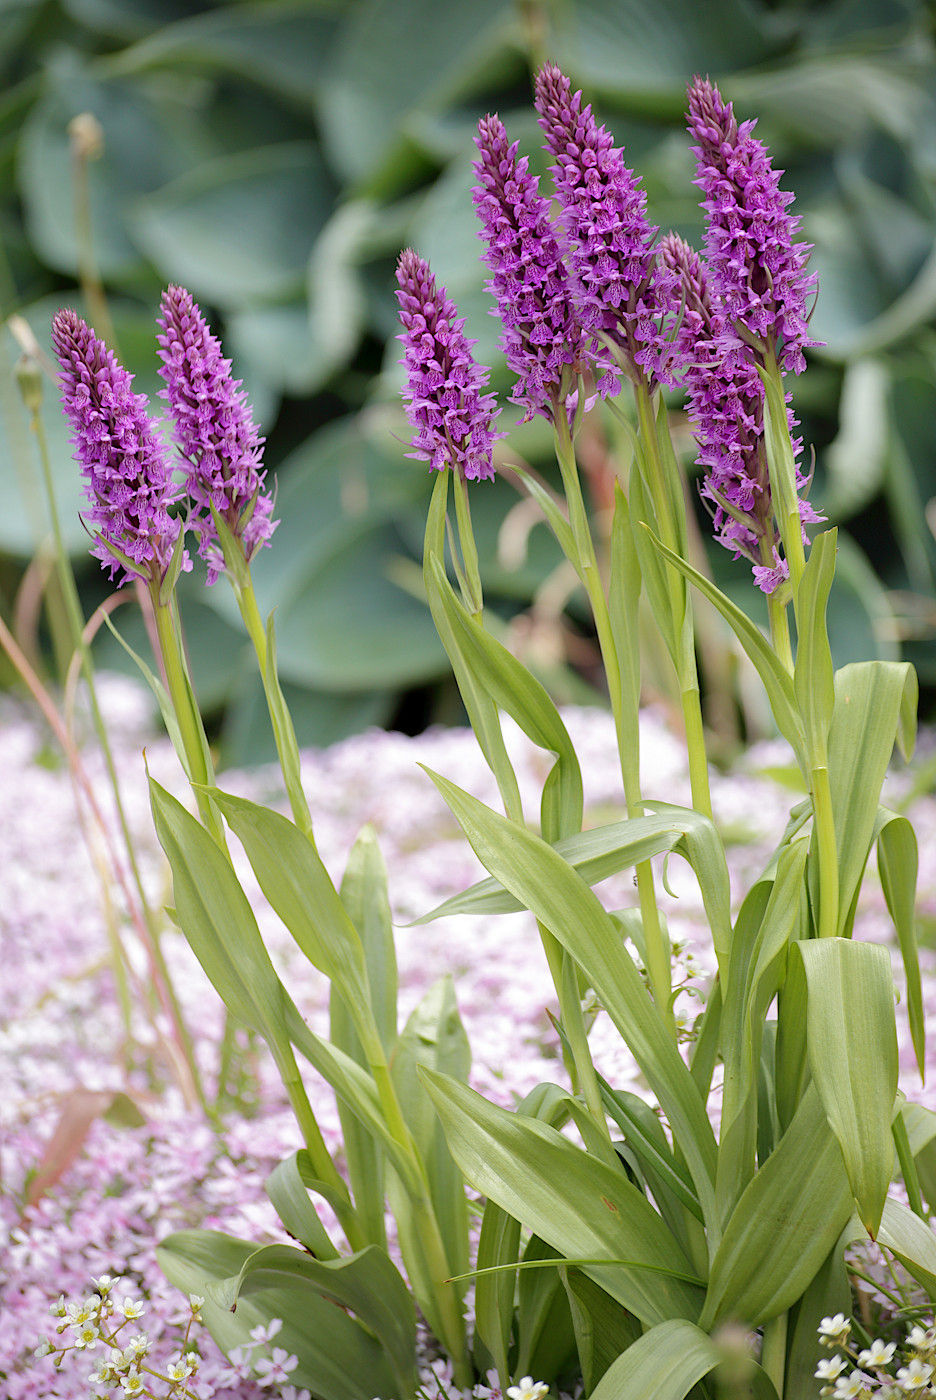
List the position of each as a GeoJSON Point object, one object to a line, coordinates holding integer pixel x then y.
{"type": "Point", "coordinates": [669, 505]}
{"type": "Point", "coordinates": [658, 963]}
{"type": "Point", "coordinates": [76, 624]}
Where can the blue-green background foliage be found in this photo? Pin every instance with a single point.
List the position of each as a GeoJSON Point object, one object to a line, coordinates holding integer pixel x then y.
{"type": "Point", "coordinates": [273, 157]}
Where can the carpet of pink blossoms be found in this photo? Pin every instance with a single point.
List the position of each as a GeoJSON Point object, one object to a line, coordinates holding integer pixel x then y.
{"type": "Point", "coordinates": [61, 1028]}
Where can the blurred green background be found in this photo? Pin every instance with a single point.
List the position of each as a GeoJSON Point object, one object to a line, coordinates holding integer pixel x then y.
{"type": "Point", "coordinates": [274, 157]}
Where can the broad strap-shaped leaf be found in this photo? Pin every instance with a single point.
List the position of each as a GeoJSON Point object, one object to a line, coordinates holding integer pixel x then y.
{"type": "Point", "coordinates": [578, 1204]}
{"type": "Point", "coordinates": [498, 1245]}
{"type": "Point", "coordinates": [667, 1362]}
{"type": "Point", "coordinates": [338, 1358]}
{"type": "Point", "coordinates": [299, 888]}
{"type": "Point", "coordinates": [897, 866]}
{"type": "Point", "coordinates": [787, 1220]}
{"type": "Point", "coordinates": [828, 1294]}
{"type": "Point", "coordinates": [435, 1037]}
{"type": "Point", "coordinates": [366, 1283]}
{"type": "Point", "coordinates": [852, 1045]}
{"type": "Point", "coordinates": [874, 704]}
{"type": "Point", "coordinates": [603, 1329]}
{"type": "Point", "coordinates": [768, 919]}
{"type": "Point", "coordinates": [482, 712]}
{"type": "Point", "coordinates": [596, 853]}
{"type": "Point", "coordinates": [912, 1240]}
{"type": "Point", "coordinates": [364, 896]}
{"type": "Point", "coordinates": [701, 845]}
{"type": "Point", "coordinates": [545, 1330]}
{"type": "Point", "coordinates": [777, 681]}
{"type": "Point", "coordinates": [562, 901]}
{"type": "Point", "coordinates": [288, 1187]}
{"type": "Point", "coordinates": [520, 695]}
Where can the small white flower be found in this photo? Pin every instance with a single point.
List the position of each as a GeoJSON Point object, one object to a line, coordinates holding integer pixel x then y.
{"type": "Point", "coordinates": [877, 1354]}
{"type": "Point", "coordinates": [830, 1370]}
{"type": "Point", "coordinates": [196, 1304]}
{"type": "Point", "coordinates": [915, 1376]}
{"type": "Point", "coordinates": [138, 1345]}
{"type": "Point", "coordinates": [131, 1308]}
{"type": "Point", "coordinates": [87, 1337]}
{"type": "Point", "coordinates": [831, 1329]}
{"type": "Point", "coordinates": [58, 1309]}
{"type": "Point", "coordinates": [527, 1389]}
{"type": "Point", "coordinates": [923, 1339]}
{"type": "Point", "coordinates": [265, 1332]}
{"type": "Point", "coordinates": [104, 1284]}
{"type": "Point", "coordinates": [132, 1384]}
{"type": "Point", "coordinates": [44, 1347]}
{"type": "Point", "coordinates": [79, 1313]}
{"type": "Point", "coordinates": [180, 1369]}
{"type": "Point", "coordinates": [847, 1387]}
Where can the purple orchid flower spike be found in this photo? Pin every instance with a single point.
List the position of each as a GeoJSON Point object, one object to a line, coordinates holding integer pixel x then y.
{"type": "Point", "coordinates": [758, 267]}
{"type": "Point", "coordinates": [128, 480]}
{"type": "Point", "coordinates": [622, 291]}
{"type": "Point", "coordinates": [543, 337]}
{"type": "Point", "coordinates": [453, 420]}
{"type": "Point", "coordinates": [215, 433]}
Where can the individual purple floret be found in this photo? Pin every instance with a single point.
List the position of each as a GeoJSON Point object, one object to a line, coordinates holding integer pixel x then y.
{"type": "Point", "coordinates": [621, 289]}
{"type": "Point", "coordinates": [758, 268]}
{"type": "Point", "coordinates": [215, 432]}
{"type": "Point", "coordinates": [726, 407]}
{"type": "Point", "coordinates": [452, 418]}
{"type": "Point", "coordinates": [129, 482]}
{"type": "Point", "coordinates": [543, 337]}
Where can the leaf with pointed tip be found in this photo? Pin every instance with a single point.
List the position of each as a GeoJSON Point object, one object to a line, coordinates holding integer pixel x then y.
{"type": "Point", "coordinates": [667, 1362]}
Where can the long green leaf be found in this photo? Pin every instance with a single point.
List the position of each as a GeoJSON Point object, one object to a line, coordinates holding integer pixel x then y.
{"type": "Point", "coordinates": [299, 888]}
{"type": "Point", "coordinates": [364, 896]}
{"type": "Point", "coordinates": [912, 1240]}
{"type": "Point", "coordinates": [603, 1329]}
{"type": "Point", "coordinates": [667, 1362]}
{"type": "Point", "coordinates": [874, 702]}
{"type": "Point", "coordinates": [434, 1037]}
{"type": "Point", "coordinates": [784, 1225]}
{"type": "Point", "coordinates": [515, 691]}
{"type": "Point", "coordinates": [578, 1204]}
{"type": "Point", "coordinates": [338, 1359]}
{"type": "Point", "coordinates": [366, 1283]}
{"type": "Point", "coordinates": [561, 900]}
{"type": "Point", "coordinates": [852, 1045]}
{"type": "Point", "coordinates": [498, 1248]}
{"type": "Point", "coordinates": [595, 854]}
{"type": "Point", "coordinates": [288, 1189]}
{"type": "Point", "coordinates": [897, 865]}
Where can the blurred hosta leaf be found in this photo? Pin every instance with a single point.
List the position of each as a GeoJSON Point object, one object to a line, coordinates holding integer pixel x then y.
{"type": "Point", "coordinates": [270, 204]}
{"type": "Point", "coordinates": [855, 460]}
{"type": "Point", "coordinates": [400, 56]}
{"type": "Point", "coordinates": [832, 99]}
{"type": "Point", "coordinates": [353, 628]}
{"type": "Point", "coordinates": [147, 142]}
{"type": "Point", "coordinates": [284, 45]}
{"type": "Point", "coordinates": [128, 19]}
{"type": "Point", "coordinates": [645, 54]}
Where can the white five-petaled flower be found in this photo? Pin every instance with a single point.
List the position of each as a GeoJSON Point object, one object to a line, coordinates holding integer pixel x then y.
{"type": "Point", "coordinates": [878, 1353]}
{"type": "Point", "coordinates": [527, 1389]}
{"type": "Point", "coordinates": [830, 1370]}
{"type": "Point", "coordinates": [848, 1387]}
{"type": "Point", "coordinates": [131, 1308]}
{"type": "Point", "coordinates": [132, 1384]}
{"type": "Point", "coordinates": [922, 1338]}
{"type": "Point", "coordinates": [914, 1376]}
{"type": "Point", "coordinates": [831, 1329]}
{"type": "Point", "coordinates": [87, 1337]}
{"type": "Point", "coordinates": [180, 1369]}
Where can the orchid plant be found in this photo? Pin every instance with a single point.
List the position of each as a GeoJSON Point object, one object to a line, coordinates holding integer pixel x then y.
{"type": "Point", "coordinates": [689, 1249]}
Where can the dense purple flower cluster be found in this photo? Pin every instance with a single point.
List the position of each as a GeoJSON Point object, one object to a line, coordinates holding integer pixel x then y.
{"type": "Point", "coordinates": [543, 336]}
{"type": "Point", "coordinates": [758, 268]}
{"type": "Point", "coordinates": [621, 289]}
{"type": "Point", "coordinates": [129, 482]}
{"type": "Point", "coordinates": [214, 430]}
{"type": "Point", "coordinates": [745, 299]}
{"type": "Point", "coordinates": [452, 418]}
